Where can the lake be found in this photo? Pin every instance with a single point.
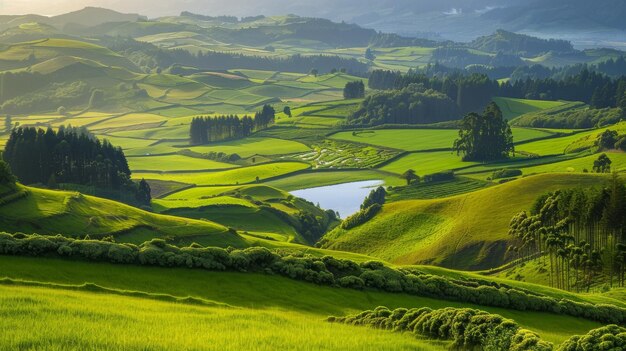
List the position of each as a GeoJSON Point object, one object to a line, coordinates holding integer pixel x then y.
{"type": "Point", "coordinates": [344, 198]}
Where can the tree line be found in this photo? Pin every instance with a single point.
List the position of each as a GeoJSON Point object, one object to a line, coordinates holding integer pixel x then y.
{"type": "Point", "coordinates": [70, 155]}
{"type": "Point", "coordinates": [580, 234]}
{"type": "Point", "coordinates": [472, 92]}
{"type": "Point", "coordinates": [204, 130]}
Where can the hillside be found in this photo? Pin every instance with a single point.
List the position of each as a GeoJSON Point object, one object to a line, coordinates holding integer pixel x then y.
{"type": "Point", "coordinates": [468, 231]}
{"type": "Point", "coordinates": [74, 214]}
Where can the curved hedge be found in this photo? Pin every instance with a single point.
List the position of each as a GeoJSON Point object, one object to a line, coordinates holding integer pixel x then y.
{"type": "Point", "coordinates": [325, 270]}
{"type": "Point", "coordinates": [467, 328]}
{"type": "Point", "coordinates": [610, 338]}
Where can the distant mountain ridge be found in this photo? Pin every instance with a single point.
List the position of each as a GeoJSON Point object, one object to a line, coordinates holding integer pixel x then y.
{"type": "Point", "coordinates": [89, 16]}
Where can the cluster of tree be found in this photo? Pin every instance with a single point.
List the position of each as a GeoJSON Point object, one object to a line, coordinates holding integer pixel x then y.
{"type": "Point", "coordinates": [473, 92]}
{"type": "Point", "coordinates": [484, 137]}
{"type": "Point", "coordinates": [470, 92]}
{"type": "Point", "coordinates": [372, 204]}
{"type": "Point", "coordinates": [469, 329]}
{"type": "Point", "coordinates": [443, 176]}
{"type": "Point", "coordinates": [577, 118]}
{"type": "Point", "coordinates": [69, 155]}
{"type": "Point", "coordinates": [579, 233]}
{"type": "Point", "coordinates": [213, 155]}
{"type": "Point", "coordinates": [610, 337]}
{"type": "Point", "coordinates": [204, 130]}
{"type": "Point", "coordinates": [151, 57]}
{"type": "Point", "coordinates": [506, 173]}
{"type": "Point", "coordinates": [354, 90]}
{"type": "Point", "coordinates": [609, 140]}
{"type": "Point", "coordinates": [411, 105]}
{"type": "Point", "coordinates": [325, 270]}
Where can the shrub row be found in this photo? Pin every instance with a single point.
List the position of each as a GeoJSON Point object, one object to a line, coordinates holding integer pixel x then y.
{"type": "Point", "coordinates": [467, 328]}
{"type": "Point", "coordinates": [439, 177]}
{"type": "Point", "coordinates": [325, 270]}
{"type": "Point", "coordinates": [506, 173]}
{"type": "Point", "coordinates": [610, 337]}
{"type": "Point", "coordinates": [361, 217]}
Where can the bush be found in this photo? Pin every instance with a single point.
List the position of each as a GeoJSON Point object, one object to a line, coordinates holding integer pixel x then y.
{"type": "Point", "coordinates": [439, 177]}
{"type": "Point", "coordinates": [611, 337]}
{"type": "Point", "coordinates": [506, 173]}
{"type": "Point", "coordinates": [467, 328]}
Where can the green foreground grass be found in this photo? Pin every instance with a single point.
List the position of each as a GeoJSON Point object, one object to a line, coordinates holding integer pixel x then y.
{"type": "Point", "coordinates": [268, 296]}
{"type": "Point", "coordinates": [43, 318]}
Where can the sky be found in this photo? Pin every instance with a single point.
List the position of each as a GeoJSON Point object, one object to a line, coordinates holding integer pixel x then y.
{"type": "Point", "coordinates": [156, 8]}
{"type": "Point", "coordinates": [56, 7]}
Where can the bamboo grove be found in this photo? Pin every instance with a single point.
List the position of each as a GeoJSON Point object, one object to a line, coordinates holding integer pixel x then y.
{"type": "Point", "coordinates": [579, 234]}
{"type": "Point", "coordinates": [205, 130]}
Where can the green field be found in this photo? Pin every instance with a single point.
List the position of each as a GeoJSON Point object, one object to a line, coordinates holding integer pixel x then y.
{"type": "Point", "coordinates": [254, 146]}
{"type": "Point", "coordinates": [512, 108]}
{"type": "Point", "coordinates": [423, 139]}
{"type": "Point", "coordinates": [230, 177]}
{"type": "Point", "coordinates": [427, 163]}
{"type": "Point", "coordinates": [174, 163]}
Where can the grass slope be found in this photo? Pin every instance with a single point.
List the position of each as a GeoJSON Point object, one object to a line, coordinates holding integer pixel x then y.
{"type": "Point", "coordinates": [469, 231]}
{"type": "Point", "coordinates": [69, 213]}
{"type": "Point", "coordinates": [262, 294]}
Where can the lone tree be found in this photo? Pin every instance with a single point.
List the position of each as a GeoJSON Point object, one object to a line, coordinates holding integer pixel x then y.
{"type": "Point", "coordinates": [410, 176]}
{"type": "Point", "coordinates": [485, 137]}
{"type": "Point", "coordinates": [287, 111]}
{"type": "Point", "coordinates": [602, 164]}
{"type": "Point", "coordinates": [369, 54]}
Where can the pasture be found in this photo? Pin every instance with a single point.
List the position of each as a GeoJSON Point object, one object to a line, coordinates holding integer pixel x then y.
{"type": "Point", "coordinates": [229, 177]}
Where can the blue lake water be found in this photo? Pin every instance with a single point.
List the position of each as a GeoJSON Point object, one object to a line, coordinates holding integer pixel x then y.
{"type": "Point", "coordinates": [344, 198]}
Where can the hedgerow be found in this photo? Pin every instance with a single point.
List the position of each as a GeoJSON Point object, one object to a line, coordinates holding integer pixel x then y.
{"type": "Point", "coordinates": [611, 338]}
{"type": "Point", "coordinates": [325, 270]}
{"type": "Point", "coordinates": [467, 328]}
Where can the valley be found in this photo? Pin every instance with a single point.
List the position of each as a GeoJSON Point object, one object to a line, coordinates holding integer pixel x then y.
{"type": "Point", "coordinates": [198, 182]}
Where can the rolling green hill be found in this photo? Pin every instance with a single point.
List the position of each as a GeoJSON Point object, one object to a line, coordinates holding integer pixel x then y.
{"type": "Point", "coordinates": [468, 231]}
{"type": "Point", "coordinates": [74, 214]}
